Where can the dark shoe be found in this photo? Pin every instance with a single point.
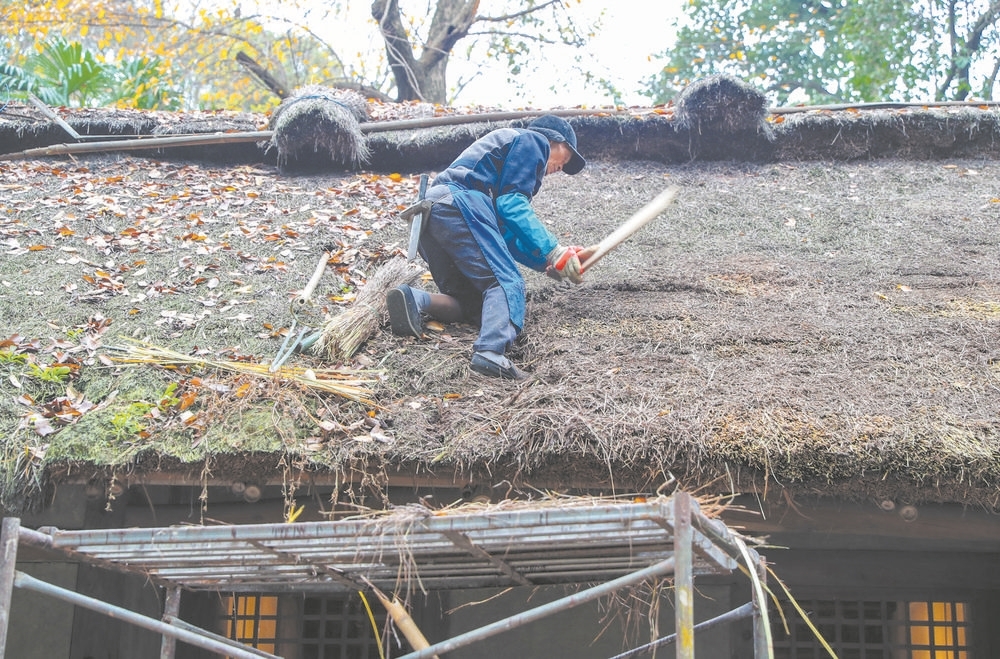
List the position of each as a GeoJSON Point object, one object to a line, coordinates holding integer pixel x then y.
{"type": "Point", "coordinates": [485, 366]}
{"type": "Point", "coordinates": [404, 316]}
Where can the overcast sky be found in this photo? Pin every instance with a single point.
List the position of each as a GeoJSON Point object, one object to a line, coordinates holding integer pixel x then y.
{"type": "Point", "coordinates": [633, 30]}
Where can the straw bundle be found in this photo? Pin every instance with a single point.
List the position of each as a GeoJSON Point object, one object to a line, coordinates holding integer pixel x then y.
{"type": "Point", "coordinates": [340, 382]}
{"type": "Point", "coordinates": [344, 333]}
{"type": "Point", "coordinates": [721, 103]}
{"type": "Point", "coordinates": [318, 126]}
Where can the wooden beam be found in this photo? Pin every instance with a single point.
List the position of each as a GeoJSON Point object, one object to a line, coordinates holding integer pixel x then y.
{"type": "Point", "coordinates": [828, 574]}
{"type": "Point", "coordinates": [826, 523]}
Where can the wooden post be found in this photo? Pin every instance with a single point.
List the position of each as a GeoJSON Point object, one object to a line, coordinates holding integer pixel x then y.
{"type": "Point", "coordinates": [171, 608]}
{"type": "Point", "coordinates": [8, 560]}
{"type": "Point", "coordinates": [683, 576]}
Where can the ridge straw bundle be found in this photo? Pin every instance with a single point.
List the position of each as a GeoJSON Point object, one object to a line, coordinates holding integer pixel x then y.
{"type": "Point", "coordinates": [344, 333]}
{"type": "Point", "coordinates": [317, 126]}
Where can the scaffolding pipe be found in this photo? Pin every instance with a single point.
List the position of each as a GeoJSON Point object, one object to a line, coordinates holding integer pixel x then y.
{"type": "Point", "coordinates": [26, 582]}
{"type": "Point", "coordinates": [744, 611]}
{"type": "Point", "coordinates": [43, 541]}
{"type": "Point", "coordinates": [684, 577]}
{"type": "Point", "coordinates": [8, 561]}
{"type": "Point", "coordinates": [171, 607]}
{"type": "Point", "coordinates": [655, 570]}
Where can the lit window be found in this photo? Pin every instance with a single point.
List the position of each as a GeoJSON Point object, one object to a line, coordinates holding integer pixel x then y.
{"type": "Point", "coordinates": [253, 620]}
{"type": "Point", "coordinates": [938, 630]}
{"type": "Point", "coordinates": [306, 627]}
{"type": "Point", "coordinates": [875, 630]}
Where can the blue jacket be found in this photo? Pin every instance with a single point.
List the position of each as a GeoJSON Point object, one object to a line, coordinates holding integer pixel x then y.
{"type": "Point", "coordinates": [494, 180]}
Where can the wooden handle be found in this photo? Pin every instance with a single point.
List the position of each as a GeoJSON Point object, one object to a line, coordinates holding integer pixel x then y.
{"type": "Point", "coordinates": [638, 220]}
{"type": "Point", "coordinates": [302, 299]}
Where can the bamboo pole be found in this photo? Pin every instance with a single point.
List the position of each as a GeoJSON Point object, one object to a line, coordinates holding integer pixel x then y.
{"type": "Point", "coordinates": [47, 111]}
{"type": "Point", "coordinates": [403, 621]}
{"type": "Point", "coordinates": [140, 144]}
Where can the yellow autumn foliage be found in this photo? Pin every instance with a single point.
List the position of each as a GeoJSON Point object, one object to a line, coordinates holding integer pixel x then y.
{"type": "Point", "coordinates": [198, 46]}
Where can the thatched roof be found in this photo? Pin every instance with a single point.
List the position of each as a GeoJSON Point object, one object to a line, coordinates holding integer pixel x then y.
{"type": "Point", "coordinates": [818, 312]}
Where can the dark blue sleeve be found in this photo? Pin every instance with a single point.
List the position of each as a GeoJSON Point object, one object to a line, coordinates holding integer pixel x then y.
{"type": "Point", "coordinates": [524, 165]}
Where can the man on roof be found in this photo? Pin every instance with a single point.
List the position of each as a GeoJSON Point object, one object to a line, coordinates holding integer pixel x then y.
{"type": "Point", "coordinates": [481, 225]}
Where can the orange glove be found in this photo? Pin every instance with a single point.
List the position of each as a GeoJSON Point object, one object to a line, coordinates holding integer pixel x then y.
{"type": "Point", "coordinates": [564, 263]}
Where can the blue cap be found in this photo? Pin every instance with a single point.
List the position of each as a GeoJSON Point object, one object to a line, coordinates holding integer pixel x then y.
{"type": "Point", "coordinates": [557, 129]}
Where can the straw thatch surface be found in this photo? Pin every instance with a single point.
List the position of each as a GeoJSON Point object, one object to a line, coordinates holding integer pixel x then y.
{"type": "Point", "coordinates": [822, 316]}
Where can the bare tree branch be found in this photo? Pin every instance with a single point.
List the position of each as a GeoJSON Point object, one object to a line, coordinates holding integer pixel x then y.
{"type": "Point", "coordinates": [516, 15]}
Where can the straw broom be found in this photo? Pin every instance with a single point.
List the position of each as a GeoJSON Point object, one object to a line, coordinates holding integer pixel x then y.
{"type": "Point", "coordinates": [344, 333]}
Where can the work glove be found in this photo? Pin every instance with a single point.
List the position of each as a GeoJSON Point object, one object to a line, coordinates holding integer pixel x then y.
{"type": "Point", "coordinates": [564, 263]}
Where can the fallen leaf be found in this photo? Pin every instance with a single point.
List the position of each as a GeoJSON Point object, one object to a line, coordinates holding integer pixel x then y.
{"type": "Point", "coordinates": [41, 425]}
{"type": "Point", "coordinates": [187, 399]}
{"type": "Point", "coordinates": [330, 426]}
{"type": "Point", "coordinates": [379, 436]}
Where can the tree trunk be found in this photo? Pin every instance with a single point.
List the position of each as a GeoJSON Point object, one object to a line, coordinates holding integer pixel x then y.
{"type": "Point", "coordinates": [423, 79]}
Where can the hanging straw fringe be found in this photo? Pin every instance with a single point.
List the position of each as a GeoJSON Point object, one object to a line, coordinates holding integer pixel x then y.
{"type": "Point", "coordinates": [344, 333]}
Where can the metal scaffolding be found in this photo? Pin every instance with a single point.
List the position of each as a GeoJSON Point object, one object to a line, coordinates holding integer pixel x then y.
{"type": "Point", "coordinates": [614, 544]}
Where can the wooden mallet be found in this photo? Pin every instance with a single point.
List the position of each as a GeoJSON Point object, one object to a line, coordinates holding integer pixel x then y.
{"type": "Point", "coordinates": [639, 219]}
